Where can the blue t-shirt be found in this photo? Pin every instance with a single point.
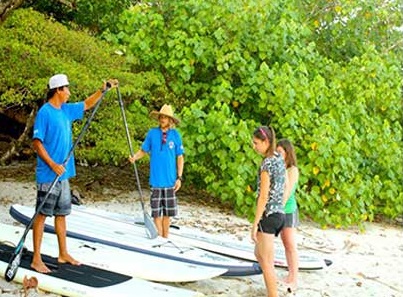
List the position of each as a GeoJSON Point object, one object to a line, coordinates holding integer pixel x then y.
{"type": "Point", "coordinates": [53, 127]}
{"type": "Point", "coordinates": [163, 156]}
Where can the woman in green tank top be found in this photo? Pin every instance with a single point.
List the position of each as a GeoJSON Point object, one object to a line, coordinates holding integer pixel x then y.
{"type": "Point", "coordinates": [286, 149]}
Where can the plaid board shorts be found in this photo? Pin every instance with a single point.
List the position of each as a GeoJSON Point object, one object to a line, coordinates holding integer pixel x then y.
{"type": "Point", "coordinates": [163, 202]}
{"type": "Point", "coordinates": [58, 203]}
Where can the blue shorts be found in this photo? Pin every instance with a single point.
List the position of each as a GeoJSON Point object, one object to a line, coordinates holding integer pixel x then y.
{"type": "Point", "coordinates": [58, 203]}
{"type": "Point", "coordinates": [163, 202]}
{"type": "Point", "coordinates": [272, 224]}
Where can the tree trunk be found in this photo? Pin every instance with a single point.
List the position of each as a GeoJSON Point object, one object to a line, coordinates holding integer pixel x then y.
{"type": "Point", "coordinates": [16, 145]}
{"type": "Point", "coordinates": [6, 6]}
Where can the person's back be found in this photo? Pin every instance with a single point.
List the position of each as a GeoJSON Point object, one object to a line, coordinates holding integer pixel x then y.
{"type": "Point", "coordinates": [288, 234]}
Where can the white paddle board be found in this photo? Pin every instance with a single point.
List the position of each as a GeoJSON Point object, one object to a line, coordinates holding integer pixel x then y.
{"type": "Point", "coordinates": [80, 281]}
{"type": "Point", "coordinates": [220, 244]}
{"type": "Point", "coordinates": [111, 232]}
{"type": "Point", "coordinates": [118, 260]}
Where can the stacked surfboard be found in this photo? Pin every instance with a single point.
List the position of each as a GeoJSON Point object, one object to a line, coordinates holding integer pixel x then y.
{"type": "Point", "coordinates": [88, 279]}
{"type": "Point", "coordinates": [219, 244]}
{"type": "Point", "coordinates": [97, 229]}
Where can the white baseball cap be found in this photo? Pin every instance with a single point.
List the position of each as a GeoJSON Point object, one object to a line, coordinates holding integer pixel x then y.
{"type": "Point", "coordinates": [58, 80]}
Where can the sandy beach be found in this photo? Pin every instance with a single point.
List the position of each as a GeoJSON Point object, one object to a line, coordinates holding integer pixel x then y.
{"type": "Point", "coordinates": [364, 264]}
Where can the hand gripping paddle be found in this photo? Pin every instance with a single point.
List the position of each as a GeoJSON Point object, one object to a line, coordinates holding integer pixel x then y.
{"type": "Point", "coordinates": [151, 229]}
{"type": "Point", "coordinates": [15, 259]}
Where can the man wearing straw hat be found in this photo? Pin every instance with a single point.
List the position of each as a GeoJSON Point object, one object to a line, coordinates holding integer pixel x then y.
{"type": "Point", "coordinates": [164, 145]}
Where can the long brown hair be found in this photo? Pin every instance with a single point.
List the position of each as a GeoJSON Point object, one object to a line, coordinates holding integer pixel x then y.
{"type": "Point", "coordinates": [290, 156]}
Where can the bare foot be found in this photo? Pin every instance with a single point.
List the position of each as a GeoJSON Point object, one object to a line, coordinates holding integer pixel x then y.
{"type": "Point", "coordinates": [289, 284]}
{"type": "Point", "coordinates": [39, 266]}
{"type": "Point", "coordinates": [68, 259]}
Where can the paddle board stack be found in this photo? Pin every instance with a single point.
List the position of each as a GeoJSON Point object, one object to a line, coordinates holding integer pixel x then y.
{"type": "Point", "coordinates": [111, 232]}
{"type": "Point", "coordinates": [78, 281]}
{"type": "Point", "coordinates": [214, 243]}
{"type": "Point", "coordinates": [118, 260]}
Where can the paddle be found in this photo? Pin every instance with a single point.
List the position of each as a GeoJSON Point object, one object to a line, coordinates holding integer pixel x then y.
{"type": "Point", "coordinates": [151, 229]}
{"type": "Point", "coordinates": [15, 259]}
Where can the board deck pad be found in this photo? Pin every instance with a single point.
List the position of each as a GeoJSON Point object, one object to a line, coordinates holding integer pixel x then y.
{"type": "Point", "coordinates": [82, 274]}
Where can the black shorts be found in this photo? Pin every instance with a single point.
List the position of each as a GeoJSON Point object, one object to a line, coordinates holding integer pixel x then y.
{"type": "Point", "coordinates": [272, 224]}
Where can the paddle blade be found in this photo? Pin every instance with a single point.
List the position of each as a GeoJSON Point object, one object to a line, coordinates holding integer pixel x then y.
{"type": "Point", "coordinates": [13, 265]}
{"type": "Point", "coordinates": [151, 229]}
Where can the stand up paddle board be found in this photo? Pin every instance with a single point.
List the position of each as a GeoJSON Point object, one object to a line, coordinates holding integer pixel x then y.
{"type": "Point", "coordinates": [118, 260]}
{"type": "Point", "coordinates": [84, 280]}
{"type": "Point", "coordinates": [120, 234]}
{"type": "Point", "coordinates": [220, 244]}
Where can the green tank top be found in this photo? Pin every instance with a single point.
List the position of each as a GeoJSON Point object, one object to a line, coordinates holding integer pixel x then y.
{"type": "Point", "coordinates": [291, 204]}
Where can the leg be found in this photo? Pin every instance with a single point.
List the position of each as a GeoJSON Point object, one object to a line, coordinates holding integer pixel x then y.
{"type": "Point", "coordinates": [60, 228]}
{"type": "Point", "coordinates": [170, 209]}
{"type": "Point", "coordinates": [165, 226]}
{"type": "Point", "coordinates": [37, 230]}
{"type": "Point", "coordinates": [158, 224]}
{"type": "Point", "coordinates": [288, 238]}
{"type": "Point", "coordinates": [264, 251]}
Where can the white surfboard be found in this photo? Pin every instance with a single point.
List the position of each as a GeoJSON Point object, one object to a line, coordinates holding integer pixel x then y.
{"type": "Point", "coordinates": [118, 260]}
{"type": "Point", "coordinates": [80, 281]}
{"type": "Point", "coordinates": [111, 232]}
{"type": "Point", "coordinates": [220, 244]}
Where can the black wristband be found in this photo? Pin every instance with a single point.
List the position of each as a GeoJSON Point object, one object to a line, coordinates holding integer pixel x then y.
{"type": "Point", "coordinates": [180, 178]}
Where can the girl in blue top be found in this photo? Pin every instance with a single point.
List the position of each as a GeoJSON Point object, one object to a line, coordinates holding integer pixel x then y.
{"type": "Point", "coordinates": [269, 215]}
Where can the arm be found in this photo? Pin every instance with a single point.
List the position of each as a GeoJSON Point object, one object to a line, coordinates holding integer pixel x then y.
{"type": "Point", "coordinates": [137, 156]}
{"type": "Point", "coordinates": [43, 154]}
{"type": "Point", "coordinates": [180, 161]}
{"type": "Point", "coordinates": [261, 201]}
{"type": "Point", "coordinates": [291, 179]}
{"type": "Point", "coordinates": [94, 98]}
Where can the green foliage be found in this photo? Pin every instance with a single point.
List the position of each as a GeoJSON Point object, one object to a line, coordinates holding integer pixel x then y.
{"type": "Point", "coordinates": [336, 97]}
{"type": "Point", "coordinates": [33, 48]}
{"type": "Point", "coordinates": [345, 29]}
{"type": "Point", "coordinates": [95, 15]}
{"type": "Point", "coordinates": [219, 154]}
{"type": "Point", "coordinates": [263, 60]}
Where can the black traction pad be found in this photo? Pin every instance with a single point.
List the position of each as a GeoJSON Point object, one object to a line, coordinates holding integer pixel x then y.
{"type": "Point", "coordinates": [83, 274]}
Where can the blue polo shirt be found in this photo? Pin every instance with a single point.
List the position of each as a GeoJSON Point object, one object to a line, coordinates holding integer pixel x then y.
{"type": "Point", "coordinates": [163, 171]}
{"type": "Point", "coordinates": [53, 127]}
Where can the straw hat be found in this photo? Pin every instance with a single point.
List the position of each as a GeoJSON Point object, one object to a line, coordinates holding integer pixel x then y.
{"type": "Point", "coordinates": [165, 110]}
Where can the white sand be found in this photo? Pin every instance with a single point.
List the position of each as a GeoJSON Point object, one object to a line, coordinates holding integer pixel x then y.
{"type": "Point", "coordinates": [369, 264]}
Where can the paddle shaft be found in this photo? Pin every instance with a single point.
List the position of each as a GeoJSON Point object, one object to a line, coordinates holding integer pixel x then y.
{"type": "Point", "coordinates": [130, 146]}
{"type": "Point", "coordinates": [151, 229]}
{"type": "Point", "coordinates": [15, 258]}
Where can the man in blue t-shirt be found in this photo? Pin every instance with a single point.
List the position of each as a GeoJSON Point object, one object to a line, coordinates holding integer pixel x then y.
{"type": "Point", "coordinates": [52, 141]}
{"type": "Point", "coordinates": [164, 145]}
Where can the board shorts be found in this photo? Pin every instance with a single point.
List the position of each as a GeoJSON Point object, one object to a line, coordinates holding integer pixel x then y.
{"type": "Point", "coordinates": [272, 224]}
{"type": "Point", "coordinates": [58, 203]}
{"type": "Point", "coordinates": [163, 202]}
{"type": "Point", "coordinates": [292, 219]}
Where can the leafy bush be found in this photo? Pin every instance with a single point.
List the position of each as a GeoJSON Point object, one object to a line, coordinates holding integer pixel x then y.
{"type": "Point", "coordinates": [253, 63]}
{"type": "Point", "coordinates": [34, 47]}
